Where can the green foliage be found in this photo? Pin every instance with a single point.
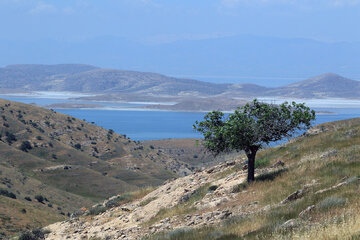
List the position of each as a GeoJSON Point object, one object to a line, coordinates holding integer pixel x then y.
{"type": "Point", "coordinates": [262, 162]}
{"type": "Point", "coordinates": [253, 125]}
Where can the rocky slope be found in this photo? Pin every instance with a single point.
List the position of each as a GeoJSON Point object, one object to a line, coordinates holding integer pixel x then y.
{"type": "Point", "coordinates": [68, 161]}
{"type": "Point", "coordinates": [306, 189]}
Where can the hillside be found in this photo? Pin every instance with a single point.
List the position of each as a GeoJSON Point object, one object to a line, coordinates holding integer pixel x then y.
{"type": "Point", "coordinates": [188, 94]}
{"type": "Point", "coordinates": [327, 85]}
{"type": "Point", "coordinates": [70, 162]}
{"type": "Point", "coordinates": [305, 189]}
{"type": "Point", "coordinates": [89, 79]}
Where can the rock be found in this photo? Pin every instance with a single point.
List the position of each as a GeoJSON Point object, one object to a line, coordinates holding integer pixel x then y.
{"type": "Point", "coordinates": [186, 197]}
{"type": "Point", "coordinates": [329, 153]}
{"type": "Point", "coordinates": [307, 210]}
{"type": "Point", "coordinates": [290, 224]}
{"type": "Point", "coordinates": [230, 163]}
{"type": "Point", "coordinates": [299, 193]}
{"type": "Point", "coordinates": [278, 164]}
{"type": "Point", "coordinates": [295, 195]}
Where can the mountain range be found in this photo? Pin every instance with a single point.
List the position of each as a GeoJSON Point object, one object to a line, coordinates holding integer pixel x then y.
{"type": "Point", "coordinates": [91, 79]}
{"type": "Point", "coordinates": [261, 57]}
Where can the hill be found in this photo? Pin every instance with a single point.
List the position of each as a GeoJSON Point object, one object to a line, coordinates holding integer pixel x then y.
{"type": "Point", "coordinates": [89, 79]}
{"type": "Point", "coordinates": [305, 189]}
{"type": "Point", "coordinates": [68, 161]}
{"type": "Point", "coordinates": [241, 55]}
{"type": "Point", "coordinates": [327, 85]}
{"type": "Point", "coordinates": [188, 94]}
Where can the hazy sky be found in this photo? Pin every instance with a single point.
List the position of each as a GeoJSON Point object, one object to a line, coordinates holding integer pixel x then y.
{"type": "Point", "coordinates": [261, 41]}
{"type": "Point", "coordinates": [154, 21]}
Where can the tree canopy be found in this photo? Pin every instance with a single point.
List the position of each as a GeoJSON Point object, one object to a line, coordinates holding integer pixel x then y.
{"type": "Point", "coordinates": [253, 125]}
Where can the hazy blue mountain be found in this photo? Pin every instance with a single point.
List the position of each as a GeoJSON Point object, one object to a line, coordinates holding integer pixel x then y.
{"type": "Point", "coordinates": [113, 82]}
{"type": "Point", "coordinates": [325, 85]}
{"type": "Point", "coordinates": [241, 58]}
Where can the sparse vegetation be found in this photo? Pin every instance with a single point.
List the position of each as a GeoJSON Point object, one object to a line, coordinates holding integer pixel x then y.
{"type": "Point", "coordinates": [6, 193]}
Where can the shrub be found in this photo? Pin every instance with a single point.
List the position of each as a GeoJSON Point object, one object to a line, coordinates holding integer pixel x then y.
{"type": "Point", "coordinates": [262, 162]}
{"type": "Point", "coordinates": [25, 146]}
{"type": "Point", "coordinates": [8, 194]}
{"type": "Point", "coordinates": [39, 138]}
{"type": "Point", "coordinates": [77, 146]}
{"type": "Point", "coordinates": [331, 202]}
{"type": "Point", "coordinates": [213, 188]}
{"type": "Point", "coordinates": [39, 198]}
{"type": "Point", "coordinates": [97, 210]}
{"type": "Point", "coordinates": [28, 199]}
{"type": "Point", "coordinates": [10, 138]}
{"type": "Point", "coordinates": [37, 234]}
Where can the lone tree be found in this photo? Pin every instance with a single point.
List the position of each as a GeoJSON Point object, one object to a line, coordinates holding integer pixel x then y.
{"type": "Point", "coordinates": [252, 126]}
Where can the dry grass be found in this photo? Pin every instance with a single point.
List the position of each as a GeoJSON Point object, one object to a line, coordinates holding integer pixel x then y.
{"type": "Point", "coordinates": [328, 159]}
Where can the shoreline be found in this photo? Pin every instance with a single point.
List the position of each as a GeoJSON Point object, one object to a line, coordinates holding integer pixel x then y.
{"type": "Point", "coordinates": [325, 103]}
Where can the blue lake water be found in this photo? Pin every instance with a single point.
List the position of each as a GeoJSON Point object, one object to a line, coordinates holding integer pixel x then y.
{"type": "Point", "coordinates": [150, 125]}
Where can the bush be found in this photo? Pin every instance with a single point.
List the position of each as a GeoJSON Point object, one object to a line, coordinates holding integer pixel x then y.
{"type": "Point", "coordinates": [25, 146]}
{"type": "Point", "coordinates": [10, 138]}
{"type": "Point", "coordinates": [39, 138]}
{"type": "Point", "coordinates": [37, 234]}
{"type": "Point", "coordinates": [331, 202]}
{"type": "Point", "coordinates": [77, 146]}
{"type": "Point", "coordinates": [39, 198]}
{"type": "Point", "coordinates": [28, 199]}
{"type": "Point", "coordinates": [8, 194]}
{"type": "Point", "coordinates": [97, 210]}
{"type": "Point", "coordinates": [213, 188]}
{"type": "Point", "coordinates": [262, 162]}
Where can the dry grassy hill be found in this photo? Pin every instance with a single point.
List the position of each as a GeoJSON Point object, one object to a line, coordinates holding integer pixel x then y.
{"type": "Point", "coordinates": [70, 163]}
{"type": "Point", "coordinates": [306, 189]}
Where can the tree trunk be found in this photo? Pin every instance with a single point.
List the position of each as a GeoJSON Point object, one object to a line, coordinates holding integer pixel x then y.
{"type": "Point", "coordinates": [251, 153]}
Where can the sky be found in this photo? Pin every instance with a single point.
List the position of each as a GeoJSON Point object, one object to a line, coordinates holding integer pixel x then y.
{"type": "Point", "coordinates": [169, 20]}
{"type": "Point", "coordinates": [156, 22]}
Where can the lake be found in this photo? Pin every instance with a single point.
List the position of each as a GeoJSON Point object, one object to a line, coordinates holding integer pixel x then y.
{"type": "Point", "coordinates": [151, 125]}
